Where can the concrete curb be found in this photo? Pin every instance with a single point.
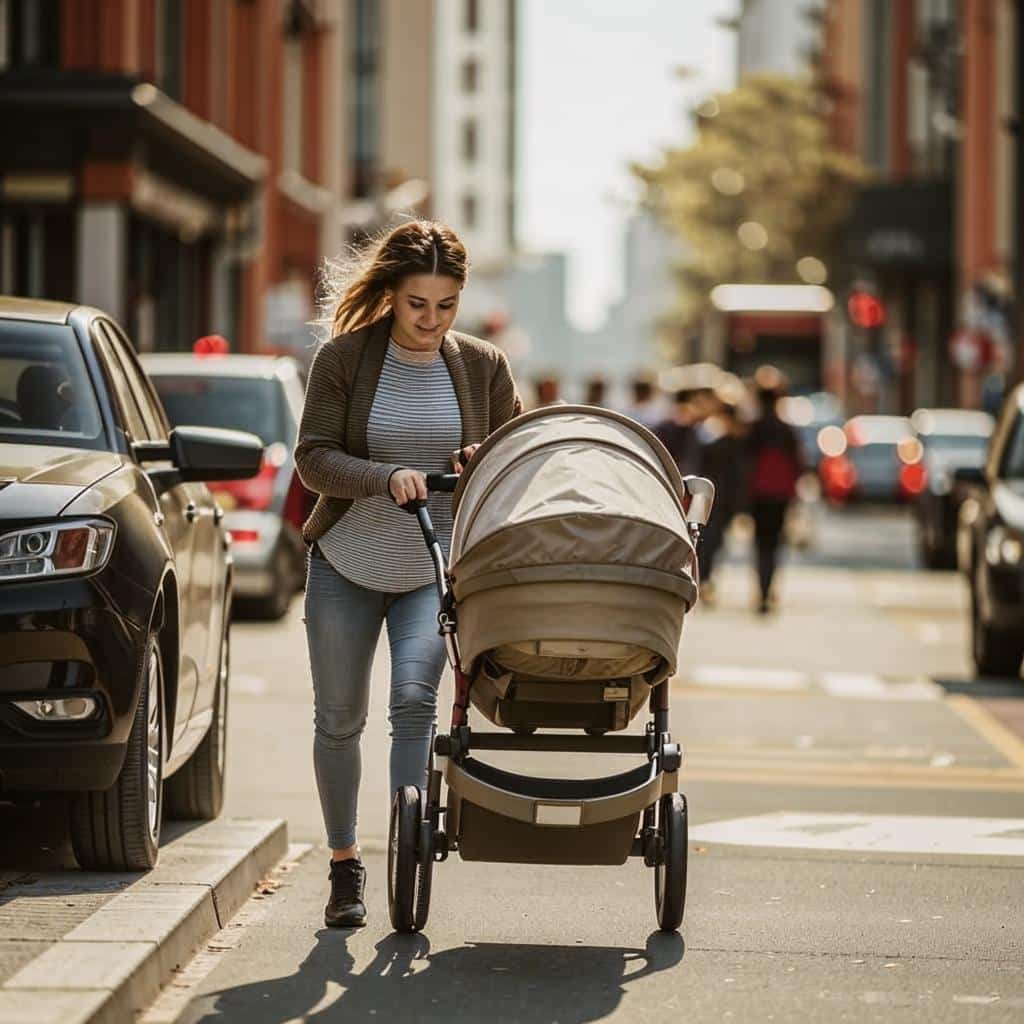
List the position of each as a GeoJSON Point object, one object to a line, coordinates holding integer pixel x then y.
{"type": "Point", "coordinates": [115, 962]}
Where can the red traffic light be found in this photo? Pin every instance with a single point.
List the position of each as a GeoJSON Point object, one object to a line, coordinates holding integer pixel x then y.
{"type": "Point", "coordinates": [865, 309]}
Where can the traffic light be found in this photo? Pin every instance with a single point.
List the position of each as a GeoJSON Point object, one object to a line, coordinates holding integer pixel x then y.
{"type": "Point", "coordinates": [865, 309]}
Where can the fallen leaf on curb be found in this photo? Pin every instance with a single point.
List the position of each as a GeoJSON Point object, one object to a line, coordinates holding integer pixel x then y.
{"type": "Point", "coordinates": [267, 886]}
{"type": "Point", "coordinates": [701, 849]}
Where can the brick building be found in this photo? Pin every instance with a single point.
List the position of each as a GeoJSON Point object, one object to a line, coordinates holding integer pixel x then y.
{"type": "Point", "coordinates": [925, 92]}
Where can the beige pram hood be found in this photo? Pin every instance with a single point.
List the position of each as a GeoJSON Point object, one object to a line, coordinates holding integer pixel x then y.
{"type": "Point", "coordinates": [570, 539]}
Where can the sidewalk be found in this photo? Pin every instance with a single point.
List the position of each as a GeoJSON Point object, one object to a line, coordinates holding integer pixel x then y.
{"type": "Point", "coordinates": [80, 947]}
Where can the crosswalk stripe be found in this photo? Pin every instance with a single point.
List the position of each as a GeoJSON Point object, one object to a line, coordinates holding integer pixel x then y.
{"type": "Point", "coordinates": [892, 833]}
{"type": "Point", "coordinates": [844, 685]}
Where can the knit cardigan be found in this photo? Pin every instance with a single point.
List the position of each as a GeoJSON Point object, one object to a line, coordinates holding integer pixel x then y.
{"type": "Point", "coordinates": [331, 454]}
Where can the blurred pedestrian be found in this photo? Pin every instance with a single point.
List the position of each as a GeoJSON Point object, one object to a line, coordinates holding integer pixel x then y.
{"type": "Point", "coordinates": [546, 389]}
{"type": "Point", "coordinates": [596, 390]}
{"type": "Point", "coordinates": [393, 395]}
{"type": "Point", "coordinates": [644, 406]}
{"type": "Point", "coordinates": [678, 432]}
{"type": "Point", "coordinates": [723, 462]}
{"type": "Point", "coordinates": [775, 463]}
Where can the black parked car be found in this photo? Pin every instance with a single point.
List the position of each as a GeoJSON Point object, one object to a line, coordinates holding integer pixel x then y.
{"type": "Point", "coordinates": [951, 439]}
{"type": "Point", "coordinates": [990, 545]}
{"type": "Point", "coordinates": [115, 583]}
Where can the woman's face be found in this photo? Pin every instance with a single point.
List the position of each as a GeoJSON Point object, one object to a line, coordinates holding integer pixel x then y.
{"type": "Point", "coordinates": [424, 306]}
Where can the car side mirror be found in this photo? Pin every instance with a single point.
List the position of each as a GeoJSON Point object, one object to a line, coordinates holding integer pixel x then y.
{"type": "Point", "coordinates": [701, 493]}
{"type": "Point", "coordinates": [210, 453]}
{"type": "Point", "coordinates": [972, 475]}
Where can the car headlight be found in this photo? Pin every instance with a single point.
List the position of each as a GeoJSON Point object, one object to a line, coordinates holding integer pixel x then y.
{"type": "Point", "coordinates": [1002, 548]}
{"type": "Point", "coordinates": [55, 549]}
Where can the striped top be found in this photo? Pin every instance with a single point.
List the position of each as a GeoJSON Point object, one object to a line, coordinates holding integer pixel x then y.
{"type": "Point", "coordinates": [414, 422]}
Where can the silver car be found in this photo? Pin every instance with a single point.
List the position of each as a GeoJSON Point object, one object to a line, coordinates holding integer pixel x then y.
{"type": "Point", "coordinates": [261, 394]}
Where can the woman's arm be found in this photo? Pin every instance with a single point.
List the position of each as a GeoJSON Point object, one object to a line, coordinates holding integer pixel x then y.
{"type": "Point", "coordinates": [505, 401]}
{"type": "Point", "coordinates": [321, 461]}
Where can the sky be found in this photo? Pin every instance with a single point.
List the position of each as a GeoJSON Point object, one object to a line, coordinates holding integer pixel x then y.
{"type": "Point", "coordinates": [600, 91]}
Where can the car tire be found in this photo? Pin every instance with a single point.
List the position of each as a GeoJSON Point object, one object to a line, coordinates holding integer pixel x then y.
{"type": "Point", "coordinates": [274, 605]}
{"type": "Point", "coordinates": [118, 829]}
{"type": "Point", "coordinates": [996, 652]}
{"type": "Point", "coordinates": [195, 792]}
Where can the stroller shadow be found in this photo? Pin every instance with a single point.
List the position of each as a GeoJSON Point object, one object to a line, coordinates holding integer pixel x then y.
{"type": "Point", "coordinates": [404, 982]}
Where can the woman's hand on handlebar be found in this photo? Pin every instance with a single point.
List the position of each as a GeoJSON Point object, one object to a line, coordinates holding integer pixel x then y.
{"type": "Point", "coordinates": [462, 456]}
{"type": "Point", "coordinates": [407, 485]}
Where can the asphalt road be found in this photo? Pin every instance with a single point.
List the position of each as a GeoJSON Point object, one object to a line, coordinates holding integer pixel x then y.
{"type": "Point", "coordinates": [857, 833]}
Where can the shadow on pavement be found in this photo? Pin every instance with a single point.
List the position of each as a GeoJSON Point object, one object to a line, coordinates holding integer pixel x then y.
{"type": "Point", "coordinates": [567, 984]}
{"type": "Point", "coordinates": [1007, 689]}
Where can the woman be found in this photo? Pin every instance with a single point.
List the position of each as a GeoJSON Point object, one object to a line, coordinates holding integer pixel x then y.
{"type": "Point", "coordinates": [393, 395]}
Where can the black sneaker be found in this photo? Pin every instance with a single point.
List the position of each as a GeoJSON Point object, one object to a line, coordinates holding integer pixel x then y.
{"type": "Point", "coordinates": [345, 908]}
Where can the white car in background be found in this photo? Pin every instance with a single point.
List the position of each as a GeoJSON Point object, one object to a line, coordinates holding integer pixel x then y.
{"type": "Point", "coordinates": [261, 394]}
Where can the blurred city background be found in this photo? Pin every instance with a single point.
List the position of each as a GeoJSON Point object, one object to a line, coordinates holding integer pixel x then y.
{"type": "Point", "coordinates": [186, 166]}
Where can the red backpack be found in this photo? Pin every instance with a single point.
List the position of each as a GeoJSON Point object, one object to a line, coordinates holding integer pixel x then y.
{"type": "Point", "coordinates": [774, 474]}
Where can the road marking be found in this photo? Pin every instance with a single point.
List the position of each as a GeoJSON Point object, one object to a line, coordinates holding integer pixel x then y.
{"type": "Point", "coordinates": [989, 727]}
{"type": "Point", "coordinates": [736, 677]}
{"type": "Point", "coordinates": [844, 685]}
{"type": "Point", "coordinates": [870, 833]}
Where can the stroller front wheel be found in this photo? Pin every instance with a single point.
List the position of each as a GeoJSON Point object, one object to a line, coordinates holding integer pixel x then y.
{"type": "Point", "coordinates": [670, 872]}
{"type": "Point", "coordinates": [409, 868]}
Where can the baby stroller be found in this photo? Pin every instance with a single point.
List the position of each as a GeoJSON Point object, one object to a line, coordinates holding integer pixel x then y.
{"type": "Point", "coordinates": [572, 567]}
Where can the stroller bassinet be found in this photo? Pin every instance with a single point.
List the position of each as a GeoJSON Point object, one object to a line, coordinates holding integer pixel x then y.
{"type": "Point", "coordinates": [572, 569]}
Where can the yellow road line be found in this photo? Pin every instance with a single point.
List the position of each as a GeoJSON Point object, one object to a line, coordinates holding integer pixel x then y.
{"type": "Point", "coordinates": [988, 727]}
{"type": "Point", "coordinates": [770, 775]}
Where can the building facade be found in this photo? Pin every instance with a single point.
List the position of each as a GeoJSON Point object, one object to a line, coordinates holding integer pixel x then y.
{"type": "Point", "coordinates": [925, 92]}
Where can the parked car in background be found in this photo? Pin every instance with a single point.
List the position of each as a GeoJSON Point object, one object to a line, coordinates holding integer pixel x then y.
{"type": "Point", "coordinates": [809, 415]}
{"type": "Point", "coordinates": [261, 394]}
{"type": "Point", "coordinates": [990, 544]}
{"type": "Point", "coordinates": [115, 581]}
{"type": "Point", "coordinates": [871, 458]}
{"type": "Point", "coordinates": [951, 439]}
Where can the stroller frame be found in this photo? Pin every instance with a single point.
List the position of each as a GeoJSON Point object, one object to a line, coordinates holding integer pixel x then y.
{"type": "Point", "coordinates": [495, 815]}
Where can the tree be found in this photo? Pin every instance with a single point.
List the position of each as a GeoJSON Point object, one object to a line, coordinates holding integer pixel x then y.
{"type": "Point", "coordinates": [759, 190]}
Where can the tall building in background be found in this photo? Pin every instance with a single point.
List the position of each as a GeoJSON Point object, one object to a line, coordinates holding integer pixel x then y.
{"type": "Point", "coordinates": [474, 111]}
{"type": "Point", "coordinates": [777, 36]}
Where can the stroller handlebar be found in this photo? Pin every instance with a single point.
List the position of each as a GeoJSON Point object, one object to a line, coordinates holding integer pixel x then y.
{"type": "Point", "coordinates": [442, 482]}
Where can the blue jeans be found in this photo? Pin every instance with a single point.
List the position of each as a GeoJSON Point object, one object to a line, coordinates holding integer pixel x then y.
{"type": "Point", "coordinates": [343, 623]}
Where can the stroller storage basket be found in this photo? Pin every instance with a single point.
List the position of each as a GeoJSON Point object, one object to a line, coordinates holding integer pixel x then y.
{"type": "Point", "coordinates": [571, 569]}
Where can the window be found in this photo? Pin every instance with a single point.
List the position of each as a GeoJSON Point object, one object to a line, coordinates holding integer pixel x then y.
{"type": "Point", "coordinates": [470, 76]}
{"type": "Point", "coordinates": [142, 391]}
{"type": "Point", "coordinates": [472, 15]}
{"type": "Point", "coordinates": [170, 35]}
{"type": "Point", "coordinates": [365, 110]}
{"type": "Point", "coordinates": [292, 107]}
{"type": "Point", "coordinates": [30, 33]}
{"type": "Point", "coordinates": [121, 391]}
{"type": "Point", "coordinates": [470, 142]}
{"type": "Point", "coordinates": [469, 210]}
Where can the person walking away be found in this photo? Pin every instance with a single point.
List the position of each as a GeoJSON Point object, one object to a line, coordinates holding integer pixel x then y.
{"type": "Point", "coordinates": [678, 432]}
{"type": "Point", "coordinates": [775, 464]}
{"type": "Point", "coordinates": [395, 394]}
{"type": "Point", "coordinates": [723, 462]}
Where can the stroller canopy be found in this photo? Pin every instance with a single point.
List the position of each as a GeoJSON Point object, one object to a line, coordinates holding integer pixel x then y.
{"type": "Point", "coordinates": [573, 494]}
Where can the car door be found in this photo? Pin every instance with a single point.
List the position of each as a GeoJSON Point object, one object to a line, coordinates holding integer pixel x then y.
{"type": "Point", "coordinates": [173, 504]}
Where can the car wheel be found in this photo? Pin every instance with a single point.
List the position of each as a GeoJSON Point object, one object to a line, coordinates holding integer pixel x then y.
{"type": "Point", "coordinates": [996, 652]}
{"type": "Point", "coordinates": [119, 829]}
{"type": "Point", "coordinates": [276, 604]}
{"type": "Point", "coordinates": [196, 790]}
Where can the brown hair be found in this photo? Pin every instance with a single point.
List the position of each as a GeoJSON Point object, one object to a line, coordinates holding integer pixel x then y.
{"type": "Point", "coordinates": [355, 289]}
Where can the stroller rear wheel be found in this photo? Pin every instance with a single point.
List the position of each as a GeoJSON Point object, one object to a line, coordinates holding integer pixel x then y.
{"type": "Point", "coordinates": [409, 867]}
{"type": "Point", "coordinates": [670, 871]}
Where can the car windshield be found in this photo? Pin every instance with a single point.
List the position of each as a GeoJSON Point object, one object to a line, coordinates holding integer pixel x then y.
{"type": "Point", "coordinates": [46, 396]}
{"type": "Point", "coordinates": [237, 403]}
